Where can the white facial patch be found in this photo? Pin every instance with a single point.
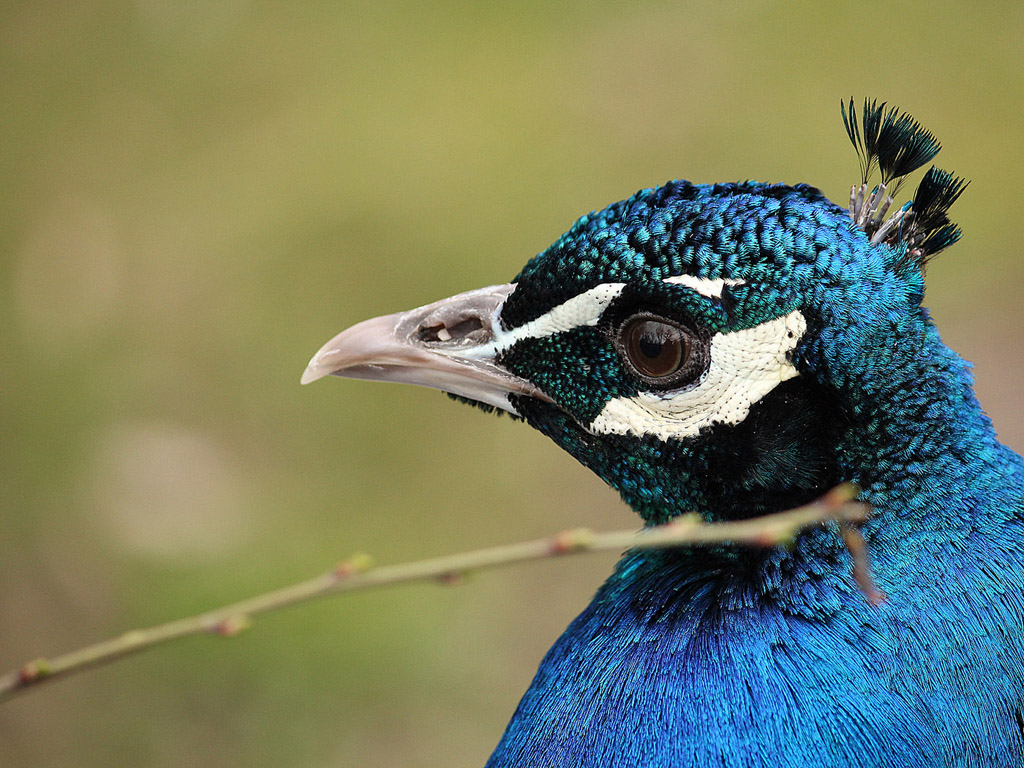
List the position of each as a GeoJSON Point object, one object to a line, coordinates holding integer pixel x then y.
{"type": "Point", "coordinates": [706, 286]}
{"type": "Point", "coordinates": [745, 366]}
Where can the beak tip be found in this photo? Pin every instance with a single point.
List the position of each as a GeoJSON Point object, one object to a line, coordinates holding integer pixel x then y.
{"type": "Point", "coordinates": [311, 374]}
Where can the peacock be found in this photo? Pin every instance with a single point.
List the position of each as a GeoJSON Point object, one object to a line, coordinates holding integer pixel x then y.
{"type": "Point", "coordinates": [737, 349]}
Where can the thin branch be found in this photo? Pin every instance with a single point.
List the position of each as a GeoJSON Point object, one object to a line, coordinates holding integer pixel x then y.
{"type": "Point", "coordinates": [358, 573]}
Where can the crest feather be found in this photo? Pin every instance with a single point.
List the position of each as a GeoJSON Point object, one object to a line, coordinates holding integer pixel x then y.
{"type": "Point", "coordinates": [896, 145]}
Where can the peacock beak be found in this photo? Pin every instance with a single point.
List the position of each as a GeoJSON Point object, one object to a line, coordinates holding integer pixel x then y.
{"type": "Point", "coordinates": [448, 345]}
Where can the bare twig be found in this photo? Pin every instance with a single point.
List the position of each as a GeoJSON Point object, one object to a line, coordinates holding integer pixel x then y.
{"type": "Point", "coordinates": [358, 573]}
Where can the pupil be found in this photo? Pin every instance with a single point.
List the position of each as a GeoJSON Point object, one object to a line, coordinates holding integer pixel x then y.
{"type": "Point", "coordinates": [650, 345]}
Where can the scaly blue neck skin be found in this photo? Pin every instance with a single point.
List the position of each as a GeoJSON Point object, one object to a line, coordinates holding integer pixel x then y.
{"type": "Point", "coordinates": [733, 657]}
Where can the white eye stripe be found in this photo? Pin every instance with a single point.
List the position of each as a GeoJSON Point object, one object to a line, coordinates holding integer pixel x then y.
{"type": "Point", "coordinates": [711, 287]}
{"type": "Point", "coordinates": [745, 366]}
{"type": "Point", "coordinates": [578, 312]}
{"type": "Point", "coordinates": [586, 310]}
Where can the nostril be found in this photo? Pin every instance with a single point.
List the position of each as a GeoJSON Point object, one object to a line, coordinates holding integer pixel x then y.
{"type": "Point", "coordinates": [455, 324]}
{"type": "Point", "coordinates": [453, 331]}
{"type": "Point", "coordinates": [433, 334]}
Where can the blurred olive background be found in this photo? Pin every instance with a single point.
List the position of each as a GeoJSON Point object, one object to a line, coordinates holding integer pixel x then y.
{"type": "Point", "coordinates": [195, 196]}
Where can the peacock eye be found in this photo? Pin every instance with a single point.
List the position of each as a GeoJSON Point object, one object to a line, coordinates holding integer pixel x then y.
{"type": "Point", "coordinates": [654, 348]}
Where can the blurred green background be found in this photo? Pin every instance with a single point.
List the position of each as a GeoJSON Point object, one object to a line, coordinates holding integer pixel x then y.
{"type": "Point", "coordinates": [195, 196]}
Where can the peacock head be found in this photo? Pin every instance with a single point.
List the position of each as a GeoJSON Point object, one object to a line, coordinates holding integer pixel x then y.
{"type": "Point", "coordinates": [719, 348]}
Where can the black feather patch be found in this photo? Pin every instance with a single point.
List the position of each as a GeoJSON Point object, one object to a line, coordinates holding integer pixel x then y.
{"type": "Point", "coordinates": [778, 457]}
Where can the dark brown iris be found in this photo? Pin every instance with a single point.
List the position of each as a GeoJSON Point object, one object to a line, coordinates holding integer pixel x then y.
{"type": "Point", "coordinates": [655, 349]}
